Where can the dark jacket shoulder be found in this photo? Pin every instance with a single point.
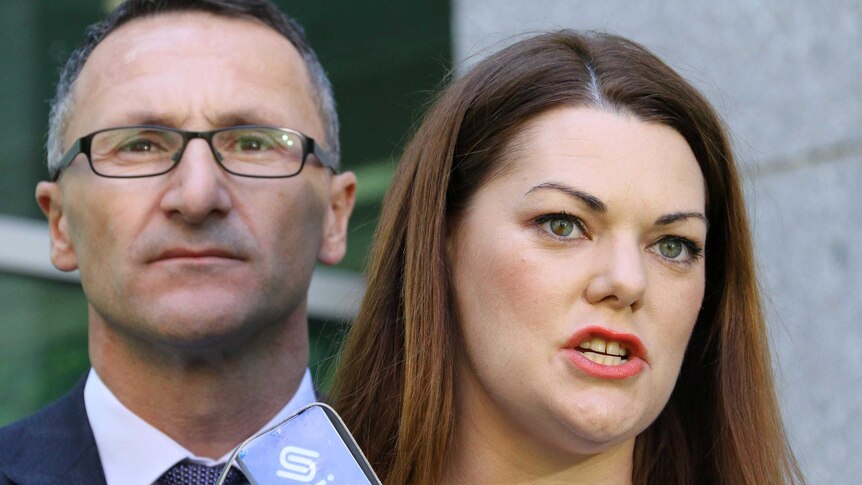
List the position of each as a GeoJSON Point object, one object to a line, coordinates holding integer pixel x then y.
{"type": "Point", "coordinates": [53, 446]}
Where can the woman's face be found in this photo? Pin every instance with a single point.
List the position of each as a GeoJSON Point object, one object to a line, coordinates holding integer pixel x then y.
{"type": "Point", "coordinates": [578, 275]}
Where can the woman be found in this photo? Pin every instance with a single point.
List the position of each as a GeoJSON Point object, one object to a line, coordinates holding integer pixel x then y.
{"type": "Point", "coordinates": [562, 288]}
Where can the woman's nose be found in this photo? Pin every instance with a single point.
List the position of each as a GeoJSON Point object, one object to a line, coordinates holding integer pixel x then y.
{"type": "Point", "coordinates": [620, 275]}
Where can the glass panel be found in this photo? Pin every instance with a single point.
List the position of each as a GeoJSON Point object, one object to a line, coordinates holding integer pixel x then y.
{"type": "Point", "coordinates": [43, 351]}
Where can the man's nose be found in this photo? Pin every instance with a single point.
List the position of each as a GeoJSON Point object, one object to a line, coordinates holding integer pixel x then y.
{"type": "Point", "coordinates": [198, 186]}
{"type": "Point", "coordinates": [620, 276]}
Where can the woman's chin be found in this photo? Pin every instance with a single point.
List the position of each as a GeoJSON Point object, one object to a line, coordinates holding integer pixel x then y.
{"type": "Point", "coordinates": [596, 427]}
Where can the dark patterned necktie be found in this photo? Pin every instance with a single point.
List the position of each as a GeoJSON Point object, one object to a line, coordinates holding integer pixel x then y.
{"type": "Point", "coordinates": [188, 473]}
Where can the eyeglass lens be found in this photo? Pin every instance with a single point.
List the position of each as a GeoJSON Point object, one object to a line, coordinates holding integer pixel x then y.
{"type": "Point", "coordinates": [135, 152]}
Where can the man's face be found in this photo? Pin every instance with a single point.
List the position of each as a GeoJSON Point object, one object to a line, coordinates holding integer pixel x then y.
{"type": "Point", "coordinates": [196, 256]}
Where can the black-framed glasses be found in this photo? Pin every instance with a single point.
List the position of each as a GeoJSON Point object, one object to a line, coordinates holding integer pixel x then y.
{"type": "Point", "coordinates": [147, 151]}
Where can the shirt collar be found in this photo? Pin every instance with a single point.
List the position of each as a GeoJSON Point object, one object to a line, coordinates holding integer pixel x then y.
{"type": "Point", "coordinates": [133, 452]}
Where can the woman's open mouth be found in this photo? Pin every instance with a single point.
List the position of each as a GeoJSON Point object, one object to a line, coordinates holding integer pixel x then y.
{"type": "Point", "coordinates": [604, 353]}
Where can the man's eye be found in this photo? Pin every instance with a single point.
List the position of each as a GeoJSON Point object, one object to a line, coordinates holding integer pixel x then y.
{"type": "Point", "coordinates": [252, 144]}
{"type": "Point", "coordinates": [138, 146]}
{"type": "Point", "coordinates": [561, 225]}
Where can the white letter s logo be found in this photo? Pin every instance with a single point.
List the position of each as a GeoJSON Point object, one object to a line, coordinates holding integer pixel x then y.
{"type": "Point", "coordinates": [298, 464]}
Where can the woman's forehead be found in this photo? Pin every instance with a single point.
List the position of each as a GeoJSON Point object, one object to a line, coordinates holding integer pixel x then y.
{"type": "Point", "coordinates": [607, 154]}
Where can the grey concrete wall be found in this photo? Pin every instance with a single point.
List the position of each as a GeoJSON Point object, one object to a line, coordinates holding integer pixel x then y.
{"type": "Point", "coordinates": [786, 75]}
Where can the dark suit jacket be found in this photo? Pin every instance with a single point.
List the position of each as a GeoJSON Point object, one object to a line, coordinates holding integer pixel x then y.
{"type": "Point", "coordinates": [54, 446]}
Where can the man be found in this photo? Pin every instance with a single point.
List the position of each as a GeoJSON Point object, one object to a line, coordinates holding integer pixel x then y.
{"type": "Point", "coordinates": [195, 239]}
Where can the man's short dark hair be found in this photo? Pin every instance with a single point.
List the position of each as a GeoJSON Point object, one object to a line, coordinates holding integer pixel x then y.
{"type": "Point", "coordinates": [262, 10]}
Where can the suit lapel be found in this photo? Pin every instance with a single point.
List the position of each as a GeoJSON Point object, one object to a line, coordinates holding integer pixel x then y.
{"type": "Point", "coordinates": [53, 446]}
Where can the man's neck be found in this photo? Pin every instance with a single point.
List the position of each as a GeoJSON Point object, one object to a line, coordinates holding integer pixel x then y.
{"type": "Point", "coordinates": [206, 402]}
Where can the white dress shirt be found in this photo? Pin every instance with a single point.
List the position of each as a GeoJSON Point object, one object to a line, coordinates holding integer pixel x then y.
{"type": "Point", "coordinates": [133, 452]}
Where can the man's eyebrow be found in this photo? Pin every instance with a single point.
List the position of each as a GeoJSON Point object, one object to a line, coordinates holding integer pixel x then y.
{"type": "Point", "coordinates": [236, 118]}
{"type": "Point", "coordinates": [239, 118]}
{"type": "Point", "coordinates": [592, 201]}
{"type": "Point", "coordinates": [668, 219]}
{"type": "Point", "coordinates": [147, 118]}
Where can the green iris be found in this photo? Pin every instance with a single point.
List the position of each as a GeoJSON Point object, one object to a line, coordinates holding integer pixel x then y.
{"type": "Point", "coordinates": [670, 248]}
{"type": "Point", "coordinates": [561, 227]}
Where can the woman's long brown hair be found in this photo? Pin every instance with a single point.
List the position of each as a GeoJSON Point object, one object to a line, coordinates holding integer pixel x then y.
{"type": "Point", "coordinates": [395, 383]}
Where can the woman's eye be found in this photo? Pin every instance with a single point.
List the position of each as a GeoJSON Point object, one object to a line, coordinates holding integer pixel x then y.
{"type": "Point", "coordinates": [560, 225]}
{"type": "Point", "coordinates": [670, 248]}
{"type": "Point", "coordinates": [677, 249]}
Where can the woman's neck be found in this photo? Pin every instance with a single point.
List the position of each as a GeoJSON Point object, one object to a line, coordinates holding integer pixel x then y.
{"type": "Point", "coordinates": [476, 460]}
{"type": "Point", "coordinates": [490, 448]}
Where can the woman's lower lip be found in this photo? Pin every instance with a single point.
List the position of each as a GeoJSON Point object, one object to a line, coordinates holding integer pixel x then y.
{"type": "Point", "coordinates": [627, 369]}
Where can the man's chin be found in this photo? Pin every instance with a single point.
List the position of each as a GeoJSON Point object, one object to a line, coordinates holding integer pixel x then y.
{"type": "Point", "coordinates": [214, 319]}
{"type": "Point", "coordinates": [194, 328]}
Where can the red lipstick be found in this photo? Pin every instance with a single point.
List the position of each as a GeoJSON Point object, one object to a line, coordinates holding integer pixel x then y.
{"type": "Point", "coordinates": [635, 359]}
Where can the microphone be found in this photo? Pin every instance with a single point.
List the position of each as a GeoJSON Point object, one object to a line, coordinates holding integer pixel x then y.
{"type": "Point", "coordinates": [313, 446]}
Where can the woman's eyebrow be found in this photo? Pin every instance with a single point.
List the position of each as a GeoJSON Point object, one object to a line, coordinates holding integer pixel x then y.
{"type": "Point", "coordinates": [597, 205]}
{"type": "Point", "coordinates": [668, 219]}
{"type": "Point", "coordinates": [590, 200]}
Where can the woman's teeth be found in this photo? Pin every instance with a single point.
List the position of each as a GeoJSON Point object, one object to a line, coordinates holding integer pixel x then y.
{"type": "Point", "coordinates": [603, 359]}
{"type": "Point", "coordinates": [602, 352]}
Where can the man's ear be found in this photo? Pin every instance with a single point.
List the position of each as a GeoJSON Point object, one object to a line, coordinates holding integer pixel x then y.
{"type": "Point", "coordinates": [49, 196]}
{"type": "Point", "coordinates": [341, 201]}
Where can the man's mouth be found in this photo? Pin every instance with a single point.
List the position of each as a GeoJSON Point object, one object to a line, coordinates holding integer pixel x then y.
{"type": "Point", "coordinates": [192, 254]}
